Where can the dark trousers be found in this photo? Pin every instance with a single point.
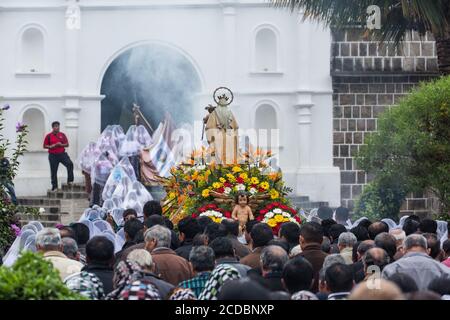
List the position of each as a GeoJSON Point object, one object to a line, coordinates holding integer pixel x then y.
{"type": "Point", "coordinates": [55, 160]}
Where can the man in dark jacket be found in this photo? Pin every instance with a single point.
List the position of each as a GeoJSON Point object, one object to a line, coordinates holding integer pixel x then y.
{"type": "Point", "coordinates": [232, 229]}
{"type": "Point", "coordinates": [261, 234]}
{"type": "Point", "coordinates": [311, 236]}
{"type": "Point", "coordinates": [188, 228]}
{"type": "Point", "coordinates": [225, 254]}
{"type": "Point", "coordinates": [100, 259]}
{"type": "Point", "coordinates": [168, 265]}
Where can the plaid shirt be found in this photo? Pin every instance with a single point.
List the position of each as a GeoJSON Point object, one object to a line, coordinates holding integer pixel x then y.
{"type": "Point", "coordinates": [196, 284]}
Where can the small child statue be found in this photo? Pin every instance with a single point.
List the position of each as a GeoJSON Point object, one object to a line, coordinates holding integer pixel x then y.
{"type": "Point", "coordinates": [242, 211]}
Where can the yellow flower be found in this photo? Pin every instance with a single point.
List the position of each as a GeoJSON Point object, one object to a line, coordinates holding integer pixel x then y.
{"type": "Point", "coordinates": [172, 195]}
{"type": "Point", "coordinates": [217, 185]}
{"type": "Point", "coordinates": [279, 218]}
{"type": "Point", "coordinates": [254, 180]}
{"type": "Point", "coordinates": [222, 179]}
{"type": "Point", "coordinates": [195, 175]}
{"type": "Point", "coordinates": [236, 169]}
{"type": "Point", "coordinates": [243, 175]}
{"type": "Point", "coordinates": [231, 177]}
{"type": "Point", "coordinates": [274, 194]}
{"type": "Point", "coordinates": [200, 177]}
{"type": "Point", "coordinates": [205, 193]}
{"type": "Point", "coordinates": [272, 223]}
{"type": "Point", "coordinates": [264, 185]}
{"type": "Point", "coordinates": [286, 220]}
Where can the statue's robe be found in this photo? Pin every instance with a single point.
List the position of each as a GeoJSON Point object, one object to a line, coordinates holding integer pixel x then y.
{"type": "Point", "coordinates": [222, 134]}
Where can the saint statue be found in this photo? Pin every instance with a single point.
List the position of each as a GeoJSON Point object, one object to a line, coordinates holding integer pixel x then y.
{"type": "Point", "coordinates": [222, 129]}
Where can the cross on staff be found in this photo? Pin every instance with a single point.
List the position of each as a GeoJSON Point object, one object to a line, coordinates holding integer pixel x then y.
{"type": "Point", "coordinates": [138, 115]}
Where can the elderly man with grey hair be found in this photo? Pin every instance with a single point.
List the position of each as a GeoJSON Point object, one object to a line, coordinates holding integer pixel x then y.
{"type": "Point", "coordinates": [417, 263]}
{"type": "Point", "coordinates": [144, 259]}
{"type": "Point", "coordinates": [168, 265]}
{"type": "Point", "coordinates": [328, 262]}
{"type": "Point", "coordinates": [400, 237]}
{"type": "Point", "coordinates": [202, 259]}
{"type": "Point", "coordinates": [48, 242]}
{"type": "Point", "coordinates": [70, 248]}
{"type": "Point", "coordinates": [346, 241]}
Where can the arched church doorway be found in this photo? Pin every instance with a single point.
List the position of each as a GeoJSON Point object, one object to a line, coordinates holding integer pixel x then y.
{"type": "Point", "coordinates": [156, 77]}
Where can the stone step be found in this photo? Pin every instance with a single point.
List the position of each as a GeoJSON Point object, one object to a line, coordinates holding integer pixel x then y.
{"type": "Point", "coordinates": [46, 224]}
{"type": "Point", "coordinates": [42, 217]}
{"type": "Point", "coordinates": [66, 195]}
{"type": "Point", "coordinates": [73, 188]}
{"type": "Point", "coordinates": [38, 201]}
{"type": "Point", "coordinates": [48, 209]}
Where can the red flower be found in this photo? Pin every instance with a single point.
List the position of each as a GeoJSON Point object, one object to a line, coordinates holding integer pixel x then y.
{"type": "Point", "coordinates": [239, 180]}
{"type": "Point", "coordinates": [261, 190]}
{"type": "Point", "coordinates": [259, 218]}
{"type": "Point", "coordinates": [202, 209]}
{"type": "Point", "coordinates": [227, 185]}
{"type": "Point", "coordinates": [284, 207]}
{"type": "Point", "coordinates": [263, 211]}
{"type": "Point", "coordinates": [254, 186]}
{"type": "Point", "coordinates": [276, 204]}
{"type": "Point", "coordinates": [210, 206]}
{"type": "Point", "coordinates": [227, 214]}
{"type": "Point", "coordinates": [221, 190]}
{"type": "Point", "coordinates": [270, 206]}
{"type": "Point", "coordinates": [194, 215]}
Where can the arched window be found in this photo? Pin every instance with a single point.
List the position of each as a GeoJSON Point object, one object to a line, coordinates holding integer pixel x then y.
{"type": "Point", "coordinates": [266, 51]}
{"type": "Point", "coordinates": [35, 120]}
{"type": "Point", "coordinates": [32, 51]}
{"type": "Point", "coordinates": [265, 122]}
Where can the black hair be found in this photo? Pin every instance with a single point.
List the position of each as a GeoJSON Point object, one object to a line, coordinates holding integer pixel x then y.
{"type": "Point", "coordinates": [326, 225]}
{"type": "Point", "coordinates": [239, 194]}
{"type": "Point", "coordinates": [55, 123]}
{"type": "Point", "coordinates": [387, 242]}
{"type": "Point", "coordinates": [261, 234]}
{"type": "Point", "coordinates": [243, 289]}
{"type": "Point", "coordinates": [212, 231]}
{"type": "Point", "coordinates": [231, 226]}
{"type": "Point", "coordinates": [189, 226]}
{"type": "Point", "coordinates": [129, 212]}
{"type": "Point", "coordinates": [139, 237]}
{"type": "Point", "coordinates": [312, 232]}
{"type": "Point", "coordinates": [298, 275]}
{"type": "Point", "coordinates": [203, 222]}
{"type": "Point", "coordinates": [434, 244]}
{"type": "Point", "coordinates": [376, 228]}
{"type": "Point", "coordinates": [81, 232]}
{"type": "Point", "coordinates": [223, 247]}
{"type": "Point", "coordinates": [325, 212]}
{"type": "Point", "coordinates": [326, 244]}
{"type": "Point", "coordinates": [414, 217]}
{"type": "Point", "coordinates": [71, 232]}
{"type": "Point", "coordinates": [440, 285]}
{"type": "Point", "coordinates": [339, 278]}
{"type": "Point", "coordinates": [446, 246]}
{"type": "Point", "coordinates": [100, 250]}
{"type": "Point", "coordinates": [250, 224]}
{"type": "Point", "coordinates": [152, 207]}
{"type": "Point", "coordinates": [360, 233]}
{"type": "Point", "coordinates": [342, 214]}
{"type": "Point", "coordinates": [132, 227]}
{"type": "Point", "coordinates": [404, 281]}
{"type": "Point", "coordinates": [290, 231]}
{"type": "Point", "coordinates": [428, 226]}
{"type": "Point", "coordinates": [335, 232]}
{"type": "Point", "coordinates": [199, 239]}
{"type": "Point", "coordinates": [365, 223]}
{"type": "Point", "coordinates": [410, 226]}
{"type": "Point", "coordinates": [154, 220]}
{"type": "Point", "coordinates": [168, 223]}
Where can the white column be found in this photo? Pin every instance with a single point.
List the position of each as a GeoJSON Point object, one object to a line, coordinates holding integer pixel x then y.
{"type": "Point", "coordinates": [72, 103]}
{"type": "Point", "coordinates": [229, 47]}
{"type": "Point", "coordinates": [304, 134]}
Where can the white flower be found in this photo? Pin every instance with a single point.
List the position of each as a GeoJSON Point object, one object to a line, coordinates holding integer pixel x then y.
{"type": "Point", "coordinates": [277, 210]}
{"type": "Point", "coordinates": [227, 190]}
{"type": "Point", "coordinates": [253, 190]}
{"type": "Point", "coordinates": [201, 167]}
{"type": "Point", "coordinates": [41, 210]}
{"type": "Point", "coordinates": [287, 215]}
{"type": "Point", "coordinates": [240, 187]}
{"type": "Point", "coordinates": [269, 215]}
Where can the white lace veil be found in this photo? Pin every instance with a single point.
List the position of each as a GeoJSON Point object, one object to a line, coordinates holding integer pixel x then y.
{"type": "Point", "coordinates": [391, 223]}
{"type": "Point", "coordinates": [143, 137]}
{"type": "Point", "coordinates": [18, 245]}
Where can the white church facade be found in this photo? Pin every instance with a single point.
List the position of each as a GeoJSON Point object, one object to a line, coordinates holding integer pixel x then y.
{"type": "Point", "coordinates": [53, 68]}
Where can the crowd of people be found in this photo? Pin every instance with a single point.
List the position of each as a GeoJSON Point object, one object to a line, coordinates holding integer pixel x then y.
{"type": "Point", "coordinates": [327, 258]}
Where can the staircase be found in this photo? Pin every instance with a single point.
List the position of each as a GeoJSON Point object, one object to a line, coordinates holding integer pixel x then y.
{"type": "Point", "coordinates": [62, 206]}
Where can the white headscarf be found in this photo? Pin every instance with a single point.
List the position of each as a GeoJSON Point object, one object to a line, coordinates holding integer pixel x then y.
{"type": "Point", "coordinates": [19, 244]}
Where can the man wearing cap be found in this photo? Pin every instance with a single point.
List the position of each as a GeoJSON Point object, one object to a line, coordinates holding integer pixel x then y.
{"type": "Point", "coordinates": [48, 242]}
{"type": "Point", "coordinates": [56, 142]}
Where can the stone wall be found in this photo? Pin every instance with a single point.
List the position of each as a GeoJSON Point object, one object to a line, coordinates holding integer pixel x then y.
{"type": "Point", "coordinates": [367, 80]}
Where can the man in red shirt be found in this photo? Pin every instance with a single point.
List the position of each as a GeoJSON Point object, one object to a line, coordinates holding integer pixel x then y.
{"type": "Point", "coordinates": [56, 142]}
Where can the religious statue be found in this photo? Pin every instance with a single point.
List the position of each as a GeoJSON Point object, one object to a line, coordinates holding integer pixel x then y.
{"type": "Point", "coordinates": [222, 129]}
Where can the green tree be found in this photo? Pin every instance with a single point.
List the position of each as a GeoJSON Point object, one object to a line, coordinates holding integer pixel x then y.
{"type": "Point", "coordinates": [410, 152]}
{"type": "Point", "coordinates": [398, 18]}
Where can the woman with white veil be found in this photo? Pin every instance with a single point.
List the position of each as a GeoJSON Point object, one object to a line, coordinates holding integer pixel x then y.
{"type": "Point", "coordinates": [30, 244]}
{"type": "Point", "coordinates": [93, 230]}
{"type": "Point", "coordinates": [442, 229]}
{"type": "Point", "coordinates": [391, 223]}
{"type": "Point", "coordinates": [100, 173]}
{"type": "Point", "coordinates": [17, 246]}
{"type": "Point", "coordinates": [143, 137]}
{"type": "Point", "coordinates": [130, 146]}
{"type": "Point", "coordinates": [142, 194]}
{"type": "Point", "coordinates": [103, 226]}
{"type": "Point", "coordinates": [37, 224]}
{"type": "Point", "coordinates": [119, 240]}
{"type": "Point", "coordinates": [402, 221]}
{"type": "Point", "coordinates": [131, 202]}
{"type": "Point", "coordinates": [118, 135]}
{"type": "Point", "coordinates": [123, 188]}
